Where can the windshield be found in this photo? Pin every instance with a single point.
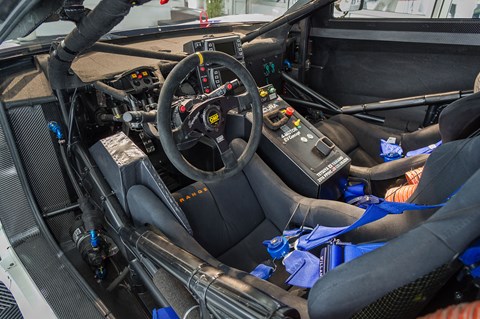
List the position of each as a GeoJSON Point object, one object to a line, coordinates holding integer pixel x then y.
{"type": "Point", "coordinates": [175, 12]}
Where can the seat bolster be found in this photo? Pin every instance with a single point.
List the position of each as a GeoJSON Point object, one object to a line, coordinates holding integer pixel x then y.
{"type": "Point", "coordinates": [339, 135]}
{"type": "Point", "coordinates": [367, 135]}
{"type": "Point", "coordinates": [147, 208]}
{"type": "Point", "coordinates": [388, 170]}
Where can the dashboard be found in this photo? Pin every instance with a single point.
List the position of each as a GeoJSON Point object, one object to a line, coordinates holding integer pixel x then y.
{"type": "Point", "coordinates": [302, 156]}
{"type": "Point", "coordinates": [125, 92]}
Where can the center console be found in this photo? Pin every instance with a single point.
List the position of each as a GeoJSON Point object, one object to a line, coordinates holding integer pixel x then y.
{"type": "Point", "coordinates": [308, 161]}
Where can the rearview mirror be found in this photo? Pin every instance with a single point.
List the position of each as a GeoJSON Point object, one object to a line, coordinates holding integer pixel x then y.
{"type": "Point", "coordinates": [349, 5]}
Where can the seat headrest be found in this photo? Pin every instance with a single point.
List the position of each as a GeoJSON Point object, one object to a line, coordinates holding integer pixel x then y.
{"type": "Point", "coordinates": [460, 119]}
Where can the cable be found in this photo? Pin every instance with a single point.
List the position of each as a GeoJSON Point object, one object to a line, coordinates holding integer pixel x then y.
{"type": "Point", "coordinates": [291, 217]}
{"type": "Point", "coordinates": [189, 311]}
{"type": "Point", "coordinates": [118, 280]}
{"type": "Point", "coordinates": [71, 118]}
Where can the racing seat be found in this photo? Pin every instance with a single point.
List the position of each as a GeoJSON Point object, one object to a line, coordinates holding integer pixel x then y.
{"type": "Point", "coordinates": [231, 218]}
{"type": "Point", "coordinates": [361, 140]}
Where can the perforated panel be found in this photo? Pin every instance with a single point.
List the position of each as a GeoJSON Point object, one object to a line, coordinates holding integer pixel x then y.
{"type": "Point", "coordinates": [62, 292]}
{"type": "Point", "coordinates": [39, 156]}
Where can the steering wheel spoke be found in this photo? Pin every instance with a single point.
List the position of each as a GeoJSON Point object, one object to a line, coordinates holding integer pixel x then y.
{"type": "Point", "coordinates": [185, 140]}
{"type": "Point", "coordinates": [229, 159]}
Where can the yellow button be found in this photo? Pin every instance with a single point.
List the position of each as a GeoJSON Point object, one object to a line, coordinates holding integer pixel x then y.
{"type": "Point", "coordinates": [296, 122]}
{"type": "Point", "coordinates": [145, 73]}
{"type": "Point", "coordinates": [263, 93]}
{"type": "Point", "coordinates": [134, 76]}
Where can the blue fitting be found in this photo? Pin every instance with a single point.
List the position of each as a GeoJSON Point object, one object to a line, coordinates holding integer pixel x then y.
{"type": "Point", "coordinates": [287, 64]}
{"type": "Point", "coordinates": [56, 129]}
{"type": "Point", "coordinates": [278, 247]}
{"type": "Point", "coordinates": [93, 238]}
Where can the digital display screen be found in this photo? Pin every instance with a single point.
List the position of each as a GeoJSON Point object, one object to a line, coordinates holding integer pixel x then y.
{"type": "Point", "coordinates": [226, 47]}
{"type": "Point", "coordinates": [228, 75]}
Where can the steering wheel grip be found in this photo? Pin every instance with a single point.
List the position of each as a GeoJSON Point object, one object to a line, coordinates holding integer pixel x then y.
{"type": "Point", "coordinates": [173, 81]}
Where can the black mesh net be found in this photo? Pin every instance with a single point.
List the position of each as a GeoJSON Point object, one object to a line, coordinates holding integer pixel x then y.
{"type": "Point", "coordinates": [407, 301]}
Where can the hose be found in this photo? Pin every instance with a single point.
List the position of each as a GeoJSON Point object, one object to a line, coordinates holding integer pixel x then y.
{"type": "Point", "coordinates": [460, 311]}
{"type": "Point", "coordinates": [119, 279]}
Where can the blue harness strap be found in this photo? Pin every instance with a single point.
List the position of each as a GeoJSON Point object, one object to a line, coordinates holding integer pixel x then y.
{"type": "Point", "coordinates": [354, 191]}
{"type": "Point", "coordinates": [303, 267]}
{"type": "Point", "coordinates": [390, 150]}
{"type": "Point", "coordinates": [262, 271]}
{"type": "Point", "coordinates": [471, 259]}
{"type": "Point", "coordinates": [424, 150]}
{"type": "Point", "coordinates": [322, 234]}
{"type": "Point", "coordinates": [306, 269]}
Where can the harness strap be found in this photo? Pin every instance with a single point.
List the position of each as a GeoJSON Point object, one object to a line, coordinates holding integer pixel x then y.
{"type": "Point", "coordinates": [262, 271]}
{"type": "Point", "coordinates": [305, 268]}
{"type": "Point", "coordinates": [322, 234]}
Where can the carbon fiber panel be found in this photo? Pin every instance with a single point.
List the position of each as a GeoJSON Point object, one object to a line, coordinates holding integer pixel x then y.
{"type": "Point", "coordinates": [13, 203]}
{"type": "Point", "coordinates": [57, 284]}
{"type": "Point", "coordinates": [8, 306]}
{"type": "Point", "coordinates": [61, 292]}
{"type": "Point", "coordinates": [38, 155]}
{"type": "Point", "coordinates": [41, 162]}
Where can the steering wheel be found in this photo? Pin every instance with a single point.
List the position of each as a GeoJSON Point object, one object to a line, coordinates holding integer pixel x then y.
{"type": "Point", "coordinates": [208, 117]}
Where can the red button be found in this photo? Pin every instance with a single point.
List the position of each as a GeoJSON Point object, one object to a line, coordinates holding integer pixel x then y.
{"type": "Point", "coordinates": [289, 111]}
{"type": "Point", "coordinates": [229, 86]}
{"type": "Point", "coordinates": [202, 69]}
{"type": "Point", "coordinates": [204, 80]}
{"type": "Point", "coordinates": [207, 90]}
{"type": "Point", "coordinates": [182, 108]}
{"type": "Point", "coordinates": [140, 76]}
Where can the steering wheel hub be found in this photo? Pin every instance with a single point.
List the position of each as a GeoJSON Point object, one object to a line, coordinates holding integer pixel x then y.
{"type": "Point", "coordinates": [212, 117]}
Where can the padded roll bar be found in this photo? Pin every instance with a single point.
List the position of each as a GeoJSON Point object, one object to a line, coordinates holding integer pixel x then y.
{"type": "Point", "coordinates": [220, 293]}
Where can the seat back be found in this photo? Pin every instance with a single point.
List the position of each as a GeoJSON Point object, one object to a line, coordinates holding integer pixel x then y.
{"type": "Point", "coordinates": [397, 280]}
{"type": "Point", "coordinates": [460, 119]}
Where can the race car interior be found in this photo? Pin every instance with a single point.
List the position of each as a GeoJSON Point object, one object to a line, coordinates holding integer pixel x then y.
{"type": "Point", "coordinates": [192, 172]}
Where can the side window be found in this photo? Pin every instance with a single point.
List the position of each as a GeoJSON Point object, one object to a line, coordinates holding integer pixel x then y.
{"type": "Point", "coordinates": [462, 9]}
{"type": "Point", "coordinates": [411, 9]}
